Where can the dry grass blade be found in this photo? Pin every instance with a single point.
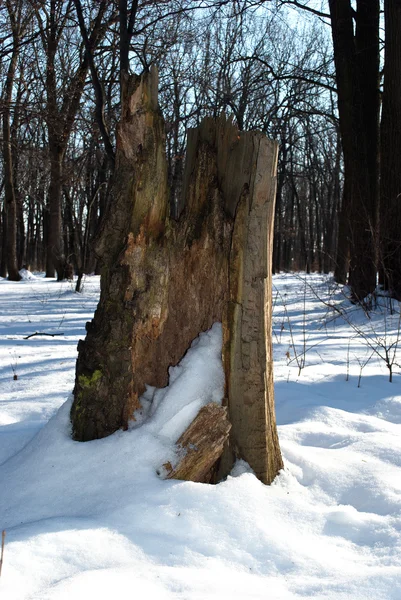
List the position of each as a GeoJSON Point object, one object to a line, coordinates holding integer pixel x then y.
{"type": "Point", "coordinates": [3, 539]}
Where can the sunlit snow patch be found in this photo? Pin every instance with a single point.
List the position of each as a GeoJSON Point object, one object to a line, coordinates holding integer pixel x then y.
{"type": "Point", "coordinates": [27, 275]}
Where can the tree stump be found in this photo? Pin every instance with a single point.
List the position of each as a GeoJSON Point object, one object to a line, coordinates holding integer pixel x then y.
{"type": "Point", "coordinates": [164, 281]}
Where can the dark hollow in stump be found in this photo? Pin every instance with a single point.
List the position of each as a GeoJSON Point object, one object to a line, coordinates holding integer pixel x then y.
{"type": "Point", "coordinates": [164, 281]}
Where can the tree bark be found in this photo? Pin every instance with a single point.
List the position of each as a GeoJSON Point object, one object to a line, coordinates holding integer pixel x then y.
{"type": "Point", "coordinates": [356, 59]}
{"type": "Point", "coordinates": [343, 238]}
{"type": "Point", "coordinates": [390, 190]}
{"type": "Point", "coordinates": [55, 252]}
{"type": "Point", "coordinates": [3, 261]}
{"type": "Point", "coordinates": [9, 183]}
{"type": "Point", "coordinates": [164, 281]}
{"type": "Point", "coordinates": [247, 348]}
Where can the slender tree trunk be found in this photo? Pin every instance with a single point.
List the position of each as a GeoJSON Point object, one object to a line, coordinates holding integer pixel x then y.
{"type": "Point", "coordinates": [9, 183]}
{"type": "Point", "coordinates": [311, 229]}
{"type": "Point", "coordinates": [3, 262]}
{"type": "Point", "coordinates": [41, 225]}
{"type": "Point", "coordinates": [339, 236]}
{"type": "Point", "coordinates": [288, 251]}
{"type": "Point", "coordinates": [343, 239]}
{"type": "Point", "coordinates": [55, 255]}
{"type": "Point", "coordinates": [301, 225]}
{"type": "Point", "coordinates": [278, 242]}
{"type": "Point", "coordinates": [15, 126]}
{"type": "Point", "coordinates": [30, 237]}
{"type": "Point", "coordinates": [318, 222]}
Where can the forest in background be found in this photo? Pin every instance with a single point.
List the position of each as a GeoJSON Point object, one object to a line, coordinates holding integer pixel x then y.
{"type": "Point", "coordinates": [325, 83]}
{"type": "Point", "coordinates": [60, 103]}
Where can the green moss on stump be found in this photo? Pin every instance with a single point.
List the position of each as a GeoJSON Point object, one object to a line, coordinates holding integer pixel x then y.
{"type": "Point", "coordinates": [86, 385]}
{"type": "Point", "coordinates": [87, 382]}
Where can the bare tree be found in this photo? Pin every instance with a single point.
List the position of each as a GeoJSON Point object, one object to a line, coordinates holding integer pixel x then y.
{"type": "Point", "coordinates": [18, 19]}
{"type": "Point", "coordinates": [60, 115]}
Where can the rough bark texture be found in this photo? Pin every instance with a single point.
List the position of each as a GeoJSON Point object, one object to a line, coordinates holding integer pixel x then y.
{"type": "Point", "coordinates": [150, 308]}
{"type": "Point", "coordinates": [201, 445]}
{"type": "Point", "coordinates": [164, 281]}
{"type": "Point", "coordinates": [390, 181]}
{"type": "Point", "coordinates": [9, 183]}
{"type": "Point", "coordinates": [356, 57]}
{"type": "Point", "coordinates": [247, 353]}
{"type": "Point", "coordinates": [55, 258]}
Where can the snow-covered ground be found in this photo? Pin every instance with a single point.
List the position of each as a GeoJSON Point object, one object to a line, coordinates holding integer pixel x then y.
{"type": "Point", "coordinates": [95, 520]}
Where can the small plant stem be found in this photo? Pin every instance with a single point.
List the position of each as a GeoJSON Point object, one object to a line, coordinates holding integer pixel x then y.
{"type": "Point", "coordinates": [3, 538]}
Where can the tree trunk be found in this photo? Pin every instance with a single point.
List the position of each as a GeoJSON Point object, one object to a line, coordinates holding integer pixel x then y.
{"type": "Point", "coordinates": [356, 59]}
{"type": "Point", "coordinates": [55, 255]}
{"type": "Point", "coordinates": [278, 220]}
{"type": "Point", "coordinates": [3, 262]}
{"type": "Point", "coordinates": [247, 348]}
{"type": "Point", "coordinates": [390, 190]}
{"type": "Point", "coordinates": [364, 209]}
{"type": "Point", "coordinates": [9, 183]}
{"type": "Point", "coordinates": [343, 239]}
{"type": "Point", "coordinates": [164, 281]}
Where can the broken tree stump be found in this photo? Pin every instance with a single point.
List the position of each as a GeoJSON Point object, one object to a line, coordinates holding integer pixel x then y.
{"type": "Point", "coordinates": [163, 281]}
{"type": "Point", "coordinates": [247, 351]}
{"type": "Point", "coordinates": [201, 445]}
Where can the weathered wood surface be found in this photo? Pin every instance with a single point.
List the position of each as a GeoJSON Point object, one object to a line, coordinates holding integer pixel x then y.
{"type": "Point", "coordinates": [108, 383]}
{"type": "Point", "coordinates": [164, 281]}
{"type": "Point", "coordinates": [247, 352]}
{"type": "Point", "coordinates": [201, 445]}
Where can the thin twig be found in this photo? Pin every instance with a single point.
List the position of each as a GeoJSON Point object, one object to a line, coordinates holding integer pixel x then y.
{"type": "Point", "coordinates": [39, 333]}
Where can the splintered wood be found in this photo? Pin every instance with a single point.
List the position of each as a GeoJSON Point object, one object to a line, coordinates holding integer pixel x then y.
{"type": "Point", "coordinates": [201, 445]}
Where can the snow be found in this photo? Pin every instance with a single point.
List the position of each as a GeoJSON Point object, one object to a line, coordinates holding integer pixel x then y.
{"type": "Point", "coordinates": [26, 275]}
{"type": "Point", "coordinates": [196, 381]}
{"type": "Point", "coordinates": [95, 520]}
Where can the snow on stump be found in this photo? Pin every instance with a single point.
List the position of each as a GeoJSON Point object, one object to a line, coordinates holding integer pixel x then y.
{"type": "Point", "coordinates": [201, 445]}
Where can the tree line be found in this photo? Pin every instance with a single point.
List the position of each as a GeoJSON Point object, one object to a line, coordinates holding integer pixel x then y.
{"type": "Point", "coordinates": [312, 84]}
{"type": "Point", "coordinates": [367, 57]}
